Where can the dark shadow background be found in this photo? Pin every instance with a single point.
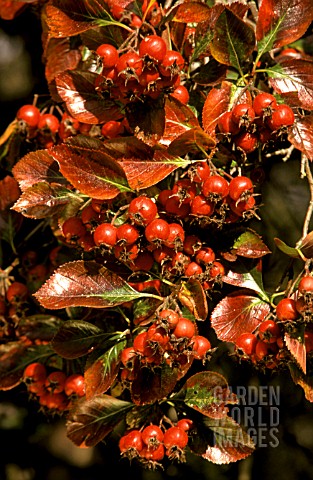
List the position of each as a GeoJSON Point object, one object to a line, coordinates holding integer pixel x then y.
{"type": "Point", "coordinates": [35, 447]}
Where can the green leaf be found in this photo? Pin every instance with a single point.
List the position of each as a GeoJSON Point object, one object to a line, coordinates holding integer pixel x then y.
{"type": "Point", "coordinates": [283, 247]}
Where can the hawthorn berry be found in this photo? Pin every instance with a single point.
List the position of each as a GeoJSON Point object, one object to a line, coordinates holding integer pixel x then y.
{"type": "Point", "coordinates": [29, 114]}
{"type": "Point", "coordinates": [306, 285]}
{"type": "Point", "coordinates": [175, 237]}
{"type": "Point", "coordinates": [246, 141]}
{"type": "Point", "coordinates": [127, 234]}
{"type": "Point", "coordinates": [152, 436]}
{"type": "Point", "coordinates": [142, 210]}
{"type": "Point", "coordinates": [269, 331]}
{"type": "Point", "coordinates": [157, 231]}
{"type": "Point", "coordinates": [105, 234]}
{"type": "Point", "coordinates": [173, 62]}
{"type": "Point", "coordinates": [109, 55]}
{"type": "Point", "coordinates": [185, 328]}
{"type": "Point", "coordinates": [153, 47]}
{"type": "Point", "coordinates": [48, 123]}
{"type": "Point", "coordinates": [181, 93]}
{"type": "Point", "coordinates": [129, 65]}
{"type": "Point", "coordinates": [242, 114]}
{"type": "Point", "coordinates": [169, 318]}
{"type": "Point", "coordinates": [215, 187]}
{"type": "Point", "coordinates": [286, 310]}
{"type": "Point", "coordinates": [73, 228]}
{"type": "Point", "coordinates": [263, 103]}
{"type": "Point", "coordinates": [175, 437]}
{"type": "Point", "coordinates": [74, 385]}
{"type": "Point", "coordinates": [247, 343]}
{"type": "Point", "coordinates": [282, 116]}
{"type": "Point", "coordinates": [17, 292]}
{"type": "Point", "coordinates": [112, 129]}
{"type": "Point", "coordinates": [55, 381]}
{"type": "Point", "coordinates": [240, 187]}
{"type": "Point", "coordinates": [227, 125]}
{"type": "Point", "coordinates": [200, 347]}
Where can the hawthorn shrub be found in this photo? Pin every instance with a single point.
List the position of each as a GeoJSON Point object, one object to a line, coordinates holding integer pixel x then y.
{"type": "Point", "coordinates": [127, 198]}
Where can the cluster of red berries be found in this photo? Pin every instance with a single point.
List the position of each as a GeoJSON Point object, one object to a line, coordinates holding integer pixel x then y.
{"type": "Point", "coordinates": [150, 13]}
{"type": "Point", "coordinates": [149, 236]}
{"type": "Point", "coordinates": [264, 347]}
{"type": "Point", "coordinates": [248, 125]}
{"type": "Point", "coordinates": [152, 444]}
{"type": "Point", "coordinates": [300, 306]}
{"type": "Point", "coordinates": [54, 390]}
{"type": "Point", "coordinates": [209, 197]}
{"type": "Point", "coordinates": [149, 70]}
{"type": "Point", "coordinates": [171, 339]}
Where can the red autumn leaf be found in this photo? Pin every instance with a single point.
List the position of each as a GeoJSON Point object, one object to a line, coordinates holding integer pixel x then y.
{"type": "Point", "coordinates": [10, 9]}
{"type": "Point", "coordinates": [35, 167]}
{"type": "Point", "coordinates": [191, 141]}
{"type": "Point", "coordinates": [281, 22]}
{"type": "Point", "coordinates": [301, 135]}
{"type": "Point", "coordinates": [89, 421]}
{"type": "Point", "coordinates": [304, 381]}
{"type": "Point", "coordinates": [102, 370]}
{"type": "Point", "coordinates": [297, 349]}
{"type": "Point", "coordinates": [215, 104]}
{"type": "Point", "coordinates": [92, 172]}
{"type": "Point", "coordinates": [60, 57]}
{"type": "Point", "coordinates": [43, 200]}
{"type": "Point", "coordinates": [179, 119]}
{"type": "Point", "coordinates": [192, 296]}
{"type": "Point", "coordinates": [147, 119]}
{"type": "Point", "coordinates": [250, 245]}
{"type": "Point", "coordinates": [211, 74]}
{"type": "Point", "coordinates": [9, 192]}
{"type": "Point", "coordinates": [237, 313]}
{"type": "Point", "coordinates": [67, 18]}
{"type": "Point", "coordinates": [85, 284]}
{"type": "Point", "coordinates": [233, 40]}
{"type": "Point", "coordinates": [231, 442]}
{"type": "Point", "coordinates": [306, 246]}
{"type": "Point", "coordinates": [153, 384]}
{"type": "Point", "coordinates": [77, 90]}
{"type": "Point", "coordinates": [294, 76]}
{"type": "Point", "coordinates": [145, 173]}
{"type": "Point", "coordinates": [191, 12]}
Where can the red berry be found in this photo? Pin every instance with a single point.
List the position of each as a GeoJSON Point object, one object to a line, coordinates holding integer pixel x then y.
{"type": "Point", "coordinates": [73, 228]}
{"type": "Point", "coordinates": [246, 141]}
{"type": "Point", "coordinates": [152, 435]}
{"type": "Point", "coordinates": [185, 328]}
{"type": "Point", "coordinates": [105, 234]}
{"type": "Point", "coordinates": [48, 123]}
{"type": "Point", "coordinates": [239, 187]}
{"type": "Point", "coordinates": [205, 255]}
{"type": "Point", "coordinates": [201, 345]}
{"type": "Point", "coordinates": [200, 172]}
{"type": "Point", "coordinates": [286, 310]}
{"type": "Point", "coordinates": [263, 103]}
{"type": "Point", "coordinates": [185, 424]}
{"type": "Point", "coordinates": [169, 318]}
{"type": "Point", "coordinates": [174, 206]}
{"type": "Point", "coordinates": [202, 206]}
{"type": "Point", "coordinates": [133, 441]}
{"type": "Point", "coordinates": [175, 437]}
{"type": "Point", "coordinates": [127, 234]}
{"type": "Point", "coordinates": [157, 231]}
{"type": "Point", "coordinates": [181, 93]}
{"type": "Point", "coordinates": [129, 65]}
{"type": "Point", "coordinates": [247, 343]}
{"type": "Point", "coordinates": [109, 55]}
{"type": "Point", "coordinates": [154, 47]}
{"type": "Point", "coordinates": [17, 292]}
{"type": "Point", "coordinates": [35, 372]}
{"type": "Point", "coordinates": [226, 124]}
{"type": "Point", "coordinates": [75, 385]}
{"type": "Point", "coordinates": [112, 129]}
{"type": "Point", "coordinates": [55, 381]}
{"type": "Point", "coordinates": [215, 187]}
{"type": "Point", "coordinates": [282, 116]}
{"type": "Point", "coordinates": [243, 114]}
{"type": "Point", "coordinates": [29, 114]}
{"type": "Point", "coordinates": [142, 210]}
{"type": "Point", "coordinates": [127, 356]}
{"type": "Point", "coordinates": [269, 331]}
{"type": "Point", "coordinates": [306, 284]}
{"type": "Point", "coordinates": [143, 262]}
{"type": "Point", "coordinates": [193, 268]}
{"type": "Point", "coordinates": [176, 236]}
{"type": "Point", "coordinates": [172, 63]}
